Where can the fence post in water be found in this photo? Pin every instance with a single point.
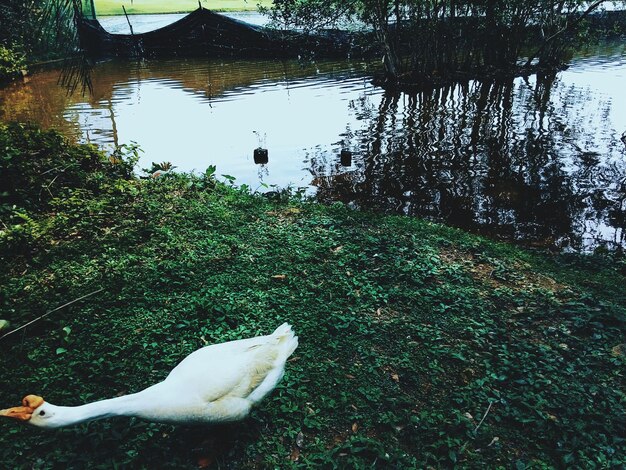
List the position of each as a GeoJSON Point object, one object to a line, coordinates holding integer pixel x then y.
{"type": "Point", "coordinates": [345, 157]}
{"type": "Point", "coordinates": [260, 156]}
{"type": "Point", "coordinates": [127, 19]}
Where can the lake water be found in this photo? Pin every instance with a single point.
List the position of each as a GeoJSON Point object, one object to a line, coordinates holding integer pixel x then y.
{"type": "Point", "coordinates": [145, 23]}
{"type": "Point", "coordinates": [538, 161]}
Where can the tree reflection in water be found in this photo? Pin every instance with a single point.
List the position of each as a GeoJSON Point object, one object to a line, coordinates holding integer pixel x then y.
{"type": "Point", "coordinates": [537, 160]}
{"type": "Point", "coordinates": [510, 159]}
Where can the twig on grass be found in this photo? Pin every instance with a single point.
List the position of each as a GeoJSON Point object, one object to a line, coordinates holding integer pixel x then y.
{"type": "Point", "coordinates": [484, 416]}
{"type": "Point", "coordinates": [51, 311]}
{"type": "Point", "coordinates": [476, 428]}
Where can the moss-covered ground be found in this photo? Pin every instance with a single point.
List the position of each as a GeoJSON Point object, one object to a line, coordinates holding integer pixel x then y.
{"type": "Point", "coordinates": [420, 345]}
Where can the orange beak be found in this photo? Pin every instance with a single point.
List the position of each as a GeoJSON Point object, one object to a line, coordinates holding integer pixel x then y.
{"type": "Point", "coordinates": [23, 413]}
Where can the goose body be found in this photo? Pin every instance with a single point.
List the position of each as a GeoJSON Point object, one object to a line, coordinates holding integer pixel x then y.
{"type": "Point", "coordinates": [217, 383]}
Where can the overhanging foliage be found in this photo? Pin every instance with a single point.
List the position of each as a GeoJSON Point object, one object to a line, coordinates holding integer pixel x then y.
{"type": "Point", "coordinates": [423, 39]}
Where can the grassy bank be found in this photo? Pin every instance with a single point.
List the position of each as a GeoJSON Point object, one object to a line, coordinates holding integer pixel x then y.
{"type": "Point", "coordinates": [420, 345]}
{"type": "Point", "coordinates": [114, 7]}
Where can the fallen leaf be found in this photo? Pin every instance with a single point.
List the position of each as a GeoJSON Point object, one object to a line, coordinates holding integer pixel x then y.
{"type": "Point", "coordinates": [279, 277]}
{"type": "Point", "coordinates": [395, 377]}
{"type": "Point", "coordinates": [204, 462]}
{"type": "Point", "coordinates": [295, 455]}
{"type": "Point", "coordinates": [618, 350]}
{"type": "Point", "coordinates": [355, 427]}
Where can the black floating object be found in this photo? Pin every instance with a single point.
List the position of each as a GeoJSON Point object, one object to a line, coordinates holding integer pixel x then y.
{"type": "Point", "coordinates": [346, 157]}
{"type": "Point", "coordinates": [260, 156]}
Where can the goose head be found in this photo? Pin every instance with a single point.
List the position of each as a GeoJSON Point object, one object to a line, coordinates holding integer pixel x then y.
{"type": "Point", "coordinates": [34, 411]}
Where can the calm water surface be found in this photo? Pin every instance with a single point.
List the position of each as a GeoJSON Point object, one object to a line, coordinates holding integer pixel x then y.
{"type": "Point", "coordinates": [144, 23]}
{"type": "Point", "coordinates": [537, 160]}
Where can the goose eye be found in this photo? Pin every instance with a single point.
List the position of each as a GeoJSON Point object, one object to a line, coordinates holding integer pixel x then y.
{"type": "Point", "coordinates": [42, 413]}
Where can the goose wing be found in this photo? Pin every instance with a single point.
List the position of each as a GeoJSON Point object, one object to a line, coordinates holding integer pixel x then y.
{"type": "Point", "coordinates": [228, 369]}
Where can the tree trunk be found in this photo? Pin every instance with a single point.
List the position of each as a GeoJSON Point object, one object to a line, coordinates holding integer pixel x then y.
{"type": "Point", "coordinates": [390, 58]}
{"type": "Point", "coordinates": [391, 61]}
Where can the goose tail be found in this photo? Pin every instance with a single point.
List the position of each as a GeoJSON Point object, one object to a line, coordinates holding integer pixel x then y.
{"type": "Point", "coordinates": [285, 342]}
{"type": "Point", "coordinates": [286, 339]}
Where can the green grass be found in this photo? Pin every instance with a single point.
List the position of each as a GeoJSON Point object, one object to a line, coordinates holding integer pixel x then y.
{"type": "Point", "coordinates": [114, 7]}
{"type": "Point", "coordinates": [410, 332]}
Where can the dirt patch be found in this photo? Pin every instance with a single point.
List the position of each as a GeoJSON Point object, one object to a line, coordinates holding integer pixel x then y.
{"type": "Point", "coordinates": [517, 275]}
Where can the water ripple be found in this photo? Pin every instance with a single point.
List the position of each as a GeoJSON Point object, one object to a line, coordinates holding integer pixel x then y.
{"type": "Point", "coordinates": [535, 159]}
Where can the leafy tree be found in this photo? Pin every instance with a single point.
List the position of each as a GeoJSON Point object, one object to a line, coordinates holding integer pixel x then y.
{"type": "Point", "coordinates": [38, 29]}
{"type": "Point", "coordinates": [420, 38]}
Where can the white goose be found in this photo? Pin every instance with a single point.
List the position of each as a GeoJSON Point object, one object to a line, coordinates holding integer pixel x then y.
{"type": "Point", "coordinates": [215, 384]}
